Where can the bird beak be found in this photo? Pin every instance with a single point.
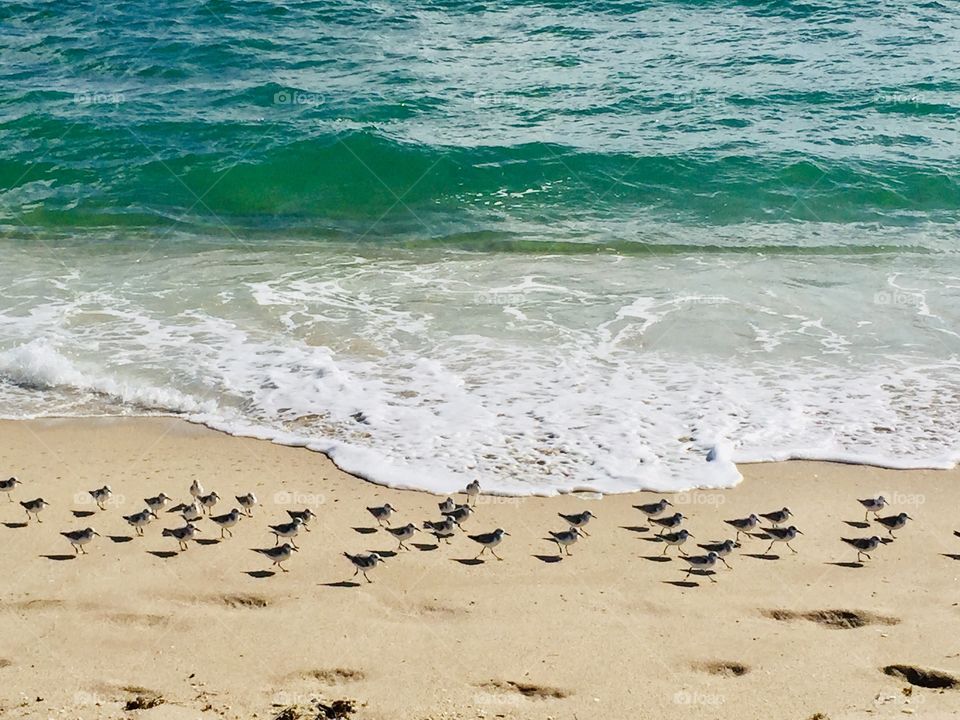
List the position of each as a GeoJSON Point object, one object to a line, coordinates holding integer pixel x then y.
{"type": "Point", "coordinates": [97, 534]}
{"type": "Point", "coordinates": [505, 532]}
{"type": "Point", "coordinates": [909, 518]}
{"type": "Point", "coordinates": [799, 533]}
{"type": "Point", "coordinates": [295, 549]}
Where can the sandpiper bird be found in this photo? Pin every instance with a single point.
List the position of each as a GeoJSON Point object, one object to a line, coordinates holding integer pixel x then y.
{"type": "Point", "coordinates": [192, 512]}
{"type": "Point", "coordinates": [182, 534]}
{"type": "Point", "coordinates": [306, 516]}
{"type": "Point", "coordinates": [893, 522]}
{"type": "Point", "coordinates": [287, 530]}
{"type": "Point", "coordinates": [157, 503]}
{"type": "Point", "coordinates": [702, 563]}
{"type": "Point", "coordinates": [873, 505]}
{"type": "Point", "coordinates": [460, 513]}
{"type": "Point", "coordinates": [225, 522]}
{"type": "Point", "coordinates": [472, 491]}
{"type": "Point", "coordinates": [447, 505]}
{"type": "Point", "coordinates": [208, 501]}
{"type": "Point", "coordinates": [784, 535]}
{"type": "Point", "coordinates": [489, 541]}
{"type": "Point", "coordinates": [443, 530]}
{"type": "Point", "coordinates": [743, 525]}
{"type": "Point", "coordinates": [382, 513]}
{"type": "Point", "coordinates": [720, 549]}
{"type": "Point", "coordinates": [669, 523]}
{"type": "Point", "coordinates": [196, 489]}
{"type": "Point", "coordinates": [33, 507]}
{"type": "Point", "coordinates": [140, 520]}
{"type": "Point", "coordinates": [279, 554]}
{"type": "Point", "coordinates": [579, 520]}
{"type": "Point", "coordinates": [364, 563]}
{"type": "Point", "coordinates": [565, 539]}
{"type": "Point", "coordinates": [777, 517]}
{"type": "Point", "coordinates": [864, 546]}
{"type": "Point", "coordinates": [101, 495]}
{"type": "Point", "coordinates": [79, 538]}
{"type": "Point", "coordinates": [8, 486]}
{"type": "Point", "coordinates": [247, 502]}
{"type": "Point", "coordinates": [653, 510]}
{"type": "Point", "coordinates": [676, 539]}
{"type": "Point", "coordinates": [404, 533]}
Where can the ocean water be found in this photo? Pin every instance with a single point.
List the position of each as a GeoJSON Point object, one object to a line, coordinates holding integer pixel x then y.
{"type": "Point", "coordinates": [553, 246]}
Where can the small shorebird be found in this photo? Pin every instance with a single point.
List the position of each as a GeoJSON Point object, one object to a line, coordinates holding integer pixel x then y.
{"type": "Point", "coordinates": [158, 503]}
{"type": "Point", "coordinates": [208, 501]}
{"type": "Point", "coordinates": [669, 523]}
{"type": "Point", "coordinates": [79, 538]}
{"type": "Point", "coordinates": [279, 554]}
{"type": "Point", "coordinates": [247, 502]}
{"type": "Point", "coordinates": [656, 509]}
{"type": "Point", "coordinates": [472, 490]}
{"type": "Point", "coordinates": [364, 563]}
{"type": "Point", "coordinates": [8, 486]}
{"type": "Point", "coordinates": [565, 539]}
{"type": "Point", "coordinates": [489, 541]}
{"type": "Point", "coordinates": [404, 533]}
{"type": "Point", "coordinates": [720, 549]}
{"type": "Point", "coordinates": [138, 521]}
{"type": "Point", "coordinates": [702, 563]}
{"type": "Point", "coordinates": [864, 546]}
{"type": "Point", "coordinates": [192, 512]}
{"type": "Point", "coordinates": [777, 517]}
{"type": "Point", "coordinates": [196, 489]}
{"type": "Point", "coordinates": [225, 522]}
{"type": "Point", "coordinates": [579, 520]}
{"type": "Point", "coordinates": [744, 525]}
{"type": "Point", "coordinates": [873, 505]}
{"type": "Point", "coordinates": [676, 540]}
{"type": "Point", "coordinates": [101, 495]}
{"type": "Point", "coordinates": [33, 507]}
{"type": "Point", "coordinates": [382, 513]}
{"type": "Point", "coordinates": [447, 505]}
{"type": "Point", "coordinates": [893, 522]}
{"type": "Point", "coordinates": [287, 530]}
{"type": "Point", "coordinates": [182, 534]}
{"type": "Point", "coordinates": [306, 517]}
{"type": "Point", "coordinates": [460, 513]}
{"type": "Point", "coordinates": [442, 530]}
{"type": "Point", "coordinates": [784, 535]}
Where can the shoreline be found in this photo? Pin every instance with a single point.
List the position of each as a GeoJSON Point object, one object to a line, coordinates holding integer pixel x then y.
{"type": "Point", "coordinates": [437, 636]}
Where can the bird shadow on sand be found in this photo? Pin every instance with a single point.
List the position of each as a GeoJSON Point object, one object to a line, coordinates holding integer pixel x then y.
{"type": "Point", "coordinates": [83, 513]}
{"type": "Point", "coordinates": [469, 561]}
{"type": "Point", "coordinates": [549, 558]}
{"type": "Point", "coordinates": [859, 524]}
{"type": "Point", "coordinates": [259, 574]}
{"type": "Point", "coordinates": [761, 556]}
{"type": "Point", "coordinates": [957, 533]}
{"type": "Point", "coordinates": [343, 584]}
{"type": "Point", "coordinates": [164, 554]}
{"type": "Point", "coordinates": [850, 565]}
{"type": "Point", "coordinates": [654, 539]}
{"type": "Point", "coordinates": [59, 558]}
{"type": "Point", "coordinates": [384, 553]}
{"type": "Point", "coordinates": [120, 538]}
{"type": "Point", "coordinates": [886, 540]}
{"type": "Point", "coordinates": [635, 528]}
{"type": "Point", "coordinates": [365, 530]}
{"type": "Point", "coordinates": [657, 558]}
{"type": "Point", "coordinates": [15, 525]}
{"type": "Point", "coordinates": [426, 547]}
{"type": "Point", "coordinates": [952, 556]}
{"type": "Point", "coordinates": [177, 508]}
{"type": "Point", "coordinates": [207, 541]}
{"type": "Point", "coordinates": [682, 583]}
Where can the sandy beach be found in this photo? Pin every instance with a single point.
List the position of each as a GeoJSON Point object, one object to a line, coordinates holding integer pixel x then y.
{"type": "Point", "coordinates": [613, 631]}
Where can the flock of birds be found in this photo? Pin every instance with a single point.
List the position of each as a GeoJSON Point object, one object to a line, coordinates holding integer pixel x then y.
{"type": "Point", "coordinates": [452, 515]}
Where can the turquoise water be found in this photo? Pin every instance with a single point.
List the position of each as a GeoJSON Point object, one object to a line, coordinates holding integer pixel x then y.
{"type": "Point", "coordinates": [550, 245]}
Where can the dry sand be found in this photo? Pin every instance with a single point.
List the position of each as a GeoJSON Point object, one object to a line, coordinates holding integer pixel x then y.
{"type": "Point", "coordinates": [610, 632]}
